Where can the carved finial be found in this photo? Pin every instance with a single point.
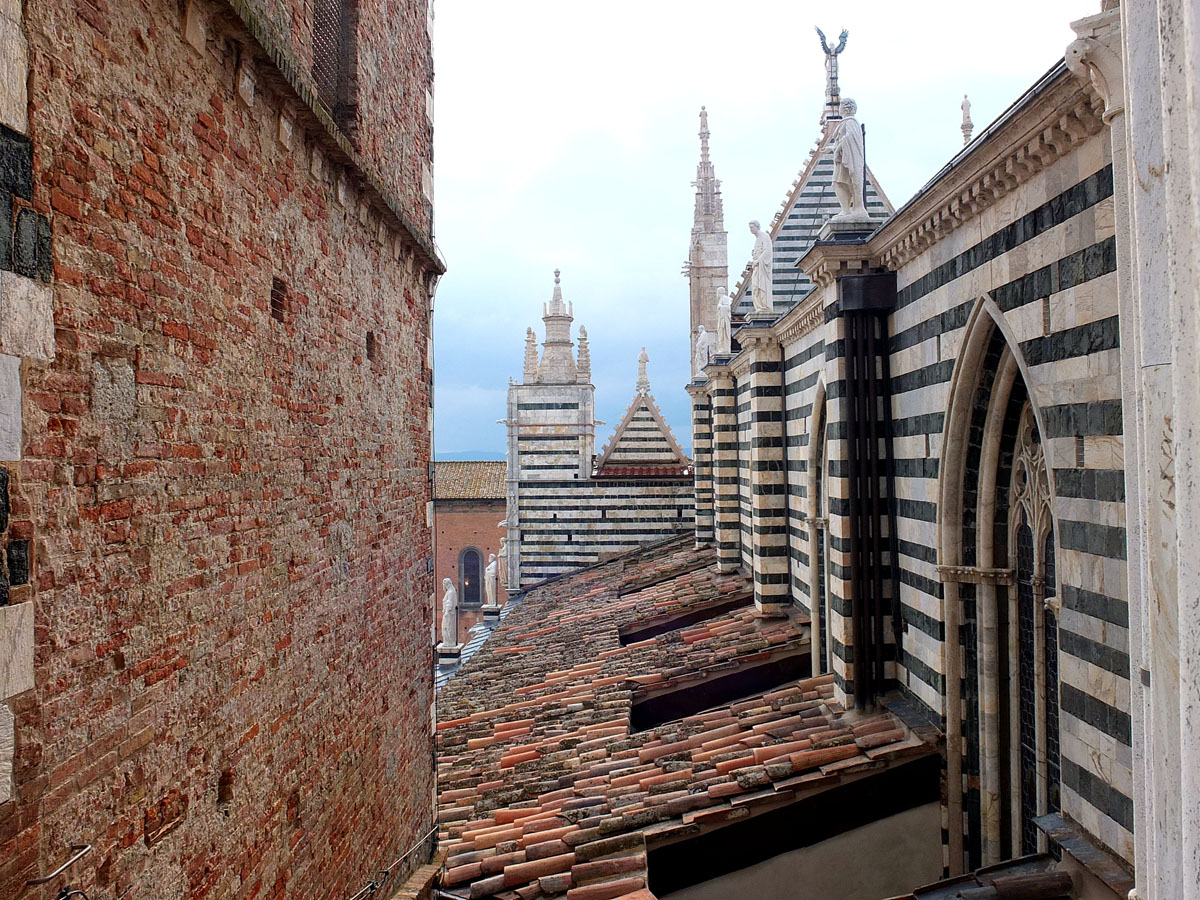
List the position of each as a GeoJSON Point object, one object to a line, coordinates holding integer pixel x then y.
{"type": "Point", "coordinates": [643, 381]}
{"type": "Point", "coordinates": [531, 356]}
{"type": "Point", "coordinates": [557, 308]}
{"type": "Point", "coordinates": [704, 135]}
{"type": "Point", "coordinates": [832, 91]}
{"type": "Point", "coordinates": [967, 125]}
{"type": "Point", "coordinates": [583, 368]}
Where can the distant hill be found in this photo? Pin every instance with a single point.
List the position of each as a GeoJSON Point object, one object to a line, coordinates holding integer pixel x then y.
{"type": "Point", "coordinates": [468, 454]}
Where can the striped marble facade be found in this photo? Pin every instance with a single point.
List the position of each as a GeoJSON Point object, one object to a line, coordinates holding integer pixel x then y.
{"type": "Point", "coordinates": [1003, 317]}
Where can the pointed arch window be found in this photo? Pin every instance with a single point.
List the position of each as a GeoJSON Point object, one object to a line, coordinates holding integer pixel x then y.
{"type": "Point", "coordinates": [470, 576]}
{"type": "Point", "coordinates": [1033, 697]}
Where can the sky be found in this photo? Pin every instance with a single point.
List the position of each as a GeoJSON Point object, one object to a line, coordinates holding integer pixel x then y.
{"type": "Point", "coordinates": [565, 136]}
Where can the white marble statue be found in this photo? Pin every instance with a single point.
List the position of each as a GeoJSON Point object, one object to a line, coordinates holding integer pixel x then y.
{"type": "Point", "coordinates": [449, 614]}
{"type": "Point", "coordinates": [705, 341]}
{"type": "Point", "coordinates": [503, 560]}
{"type": "Point", "coordinates": [643, 382]}
{"type": "Point", "coordinates": [761, 285]}
{"type": "Point", "coordinates": [967, 125]}
{"type": "Point", "coordinates": [724, 321]}
{"type": "Point", "coordinates": [490, 574]}
{"type": "Point", "coordinates": [849, 164]}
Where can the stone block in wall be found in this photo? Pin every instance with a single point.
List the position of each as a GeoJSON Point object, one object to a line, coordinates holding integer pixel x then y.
{"type": "Point", "coordinates": [8, 749]}
{"type": "Point", "coordinates": [114, 390]}
{"type": "Point", "coordinates": [16, 163]}
{"type": "Point", "coordinates": [26, 317]}
{"type": "Point", "coordinates": [14, 71]}
{"type": "Point", "coordinates": [10, 408]}
{"type": "Point", "coordinates": [16, 649]}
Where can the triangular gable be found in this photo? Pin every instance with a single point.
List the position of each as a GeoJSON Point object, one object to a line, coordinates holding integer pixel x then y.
{"type": "Point", "coordinates": [809, 204]}
{"type": "Point", "coordinates": [642, 441]}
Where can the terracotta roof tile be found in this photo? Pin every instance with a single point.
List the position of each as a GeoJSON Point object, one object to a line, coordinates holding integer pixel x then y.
{"type": "Point", "coordinates": [546, 785]}
{"type": "Point", "coordinates": [469, 480]}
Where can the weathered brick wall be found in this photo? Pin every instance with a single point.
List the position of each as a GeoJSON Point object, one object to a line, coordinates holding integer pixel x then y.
{"type": "Point", "coordinates": [226, 512]}
{"type": "Point", "coordinates": [459, 524]}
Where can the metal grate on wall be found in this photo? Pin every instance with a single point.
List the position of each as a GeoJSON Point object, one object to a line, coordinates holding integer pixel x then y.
{"type": "Point", "coordinates": [335, 60]}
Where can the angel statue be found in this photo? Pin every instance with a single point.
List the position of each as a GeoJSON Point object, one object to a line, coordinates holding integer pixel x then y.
{"type": "Point", "coordinates": [831, 67]}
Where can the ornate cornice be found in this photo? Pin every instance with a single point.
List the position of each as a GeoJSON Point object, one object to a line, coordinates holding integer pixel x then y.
{"type": "Point", "coordinates": [825, 261]}
{"type": "Point", "coordinates": [1053, 117]}
{"type": "Point", "coordinates": [974, 575]}
{"type": "Point", "coordinates": [801, 319]}
{"type": "Point", "coordinates": [719, 374]}
{"type": "Point", "coordinates": [740, 364]}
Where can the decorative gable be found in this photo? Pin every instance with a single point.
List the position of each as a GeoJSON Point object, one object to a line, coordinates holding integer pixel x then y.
{"type": "Point", "coordinates": [643, 444]}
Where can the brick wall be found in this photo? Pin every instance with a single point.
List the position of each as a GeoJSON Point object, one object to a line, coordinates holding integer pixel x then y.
{"type": "Point", "coordinates": [459, 524]}
{"type": "Point", "coordinates": [224, 499]}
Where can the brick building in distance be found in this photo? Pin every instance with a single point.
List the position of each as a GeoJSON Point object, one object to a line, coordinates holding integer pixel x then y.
{"type": "Point", "coordinates": [468, 507]}
{"type": "Point", "coordinates": [216, 275]}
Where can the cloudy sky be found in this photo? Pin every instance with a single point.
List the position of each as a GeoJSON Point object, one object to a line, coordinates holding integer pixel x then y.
{"type": "Point", "coordinates": [566, 138]}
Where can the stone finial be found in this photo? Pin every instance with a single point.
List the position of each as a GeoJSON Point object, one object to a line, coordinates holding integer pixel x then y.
{"type": "Point", "coordinates": [967, 125]}
{"type": "Point", "coordinates": [704, 135]}
{"type": "Point", "coordinates": [584, 366]}
{"type": "Point", "coordinates": [556, 306]}
{"type": "Point", "coordinates": [643, 380]}
{"type": "Point", "coordinates": [833, 98]}
{"type": "Point", "coordinates": [531, 356]}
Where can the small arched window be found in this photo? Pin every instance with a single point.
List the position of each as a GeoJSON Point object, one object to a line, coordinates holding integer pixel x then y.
{"type": "Point", "coordinates": [470, 576]}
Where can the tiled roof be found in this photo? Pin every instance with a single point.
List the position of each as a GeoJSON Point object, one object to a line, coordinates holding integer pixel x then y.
{"type": "Point", "coordinates": [546, 786]}
{"type": "Point", "coordinates": [469, 480]}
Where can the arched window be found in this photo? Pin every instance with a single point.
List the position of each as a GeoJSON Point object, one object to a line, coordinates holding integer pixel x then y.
{"type": "Point", "coordinates": [996, 560]}
{"type": "Point", "coordinates": [470, 576]}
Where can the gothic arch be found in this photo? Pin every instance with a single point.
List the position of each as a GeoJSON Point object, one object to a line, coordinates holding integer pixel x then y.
{"type": "Point", "coordinates": [995, 533]}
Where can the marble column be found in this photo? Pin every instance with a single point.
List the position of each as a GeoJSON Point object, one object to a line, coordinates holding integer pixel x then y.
{"type": "Point", "coordinates": [702, 460]}
{"type": "Point", "coordinates": [1143, 62]}
{"type": "Point", "coordinates": [763, 358]}
{"type": "Point", "coordinates": [724, 470]}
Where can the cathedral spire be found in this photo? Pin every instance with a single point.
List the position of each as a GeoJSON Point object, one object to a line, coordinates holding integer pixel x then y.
{"type": "Point", "coordinates": [710, 215]}
{"type": "Point", "coordinates": [558, 364]}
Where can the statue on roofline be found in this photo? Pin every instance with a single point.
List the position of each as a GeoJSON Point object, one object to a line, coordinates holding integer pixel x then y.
{"type": "Point", "coordinates": [705, 341]}
{"type": "Point", "coordinates": [449, 614]}
{"type": "Point", "coordinates": [761, 282]}
{"type": "Point", "coordinates": [849, 164]}
{"type": "Point", "coordinates": [724, 321]}
{"type": "Point", "coordinates": [490, 575]}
